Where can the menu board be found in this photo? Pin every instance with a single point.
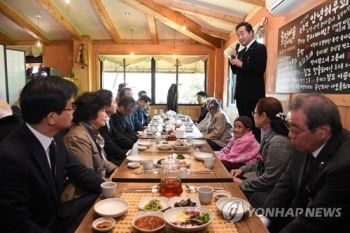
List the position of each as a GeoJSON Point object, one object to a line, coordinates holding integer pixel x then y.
{"type": "Point", "coordinates": [314, 51]}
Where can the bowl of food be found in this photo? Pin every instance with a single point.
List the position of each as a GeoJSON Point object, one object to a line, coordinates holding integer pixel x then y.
{"type": "Point", "coordinates": [103, 224]}
{"type": "Point", "coordinates": [221, 194]}
{"type": "Point", "coordinates": [111, 207]}
{"type": "Point", "coordinates": [232, 208]}
{"type": "Point", "coordinates": [135, 158]}
{"type": "Point", "coordinates": [175, 202]}
{"type": "Point", "coordinates": [164, 146]}
{"type": "Point", "coordinates": [148, 221]}
{"type": "Point", "coordinates": [188, 219]}
{"type": "Point", "coordinates": [158, 162]}
{"type": "Point", "coordinates": [202, 155]}
{"type": "Point", "coordinates": [153, 204]}
{"type": "Point", "coordinates": [181, 145]}
{"type": "Point", "coordinates": [134, 164]}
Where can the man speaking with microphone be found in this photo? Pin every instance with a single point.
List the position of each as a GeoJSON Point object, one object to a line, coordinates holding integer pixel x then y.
{"type": "Point", "coordinates": [249, 66]}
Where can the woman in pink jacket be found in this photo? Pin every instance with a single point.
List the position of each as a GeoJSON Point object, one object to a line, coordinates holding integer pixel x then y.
{"type": "Point", "coordinates": [242, 148]}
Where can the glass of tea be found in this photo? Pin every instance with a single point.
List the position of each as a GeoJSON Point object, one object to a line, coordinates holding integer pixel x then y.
{"type": "Point", "coordinates": [170, 184]}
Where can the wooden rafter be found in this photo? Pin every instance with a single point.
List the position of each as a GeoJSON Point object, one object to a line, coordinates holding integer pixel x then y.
{"type": "Point", "coordinates": [60, 18]}
{"type": "Point", "coordinates": [31, 29]}
{"type": "Point", "coordinates": [107, 21]}
{"type": "Point", "coordinates": [7, 39]}
{"type": "Point", "coordinates": [216, 33]}
{"type": "Point", "coordinates": [255, 2]}
{"type": "Point", "coordinates": [201, 11]}
{"type": "Point", "coordinates": [175, 20]}
{"type": "Point", "coordinates": [153, 29]}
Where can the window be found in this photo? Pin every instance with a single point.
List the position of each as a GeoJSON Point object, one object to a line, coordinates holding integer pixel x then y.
{"type": "Point", "coordinates": [138, 76]}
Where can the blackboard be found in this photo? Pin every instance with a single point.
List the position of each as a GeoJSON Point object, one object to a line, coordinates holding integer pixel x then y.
{"type": "Point", "coordinates": [314, 51]}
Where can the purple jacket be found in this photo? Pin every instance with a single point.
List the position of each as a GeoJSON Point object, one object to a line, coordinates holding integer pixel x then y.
{"type": "Point", "coordinates": [240, 150]}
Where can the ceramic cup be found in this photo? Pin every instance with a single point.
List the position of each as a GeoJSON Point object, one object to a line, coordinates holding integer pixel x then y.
{"type": "Point", "coordinates": [148, 164]}
{"type": "Point", "coordinates": [189, 139]}
{"type": "Point", "coordinates": [108, 189]}
{"type": "Point", "coordinates": [209, 162]}
{"type": "Point", "coordinates": [205, 194]}
{"type": "Point", "coordinates": [158, 139]}
{"type": "Point", "coordinates": [183, 172]}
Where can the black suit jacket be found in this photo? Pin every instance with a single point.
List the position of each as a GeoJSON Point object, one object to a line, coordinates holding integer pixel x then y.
{"type": "Point", "coordinates": [8, 125]}
{"type": "Point", "coordinates": [121, 126]}
{"type": "Point", "coordinates": [114, 143]}
{"type": "Point", "coordinates": [325, 185]}
{"type": "Point", "coordinates": [29, 197]}
{"type": "Point", "coordinates": [203, 113]}
{"type": "Point", "coordinates": [250, 84]}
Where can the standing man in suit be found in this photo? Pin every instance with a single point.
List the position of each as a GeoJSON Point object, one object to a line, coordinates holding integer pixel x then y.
{"type": "Point", "coordinates": [34, 164]}
{"type": "Point", "coordinates": [317, 179]}
{"type": "Point", "coordinates": [249, 66]}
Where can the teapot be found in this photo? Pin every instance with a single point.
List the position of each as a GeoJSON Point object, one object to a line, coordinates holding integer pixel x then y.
{"type": "Point", "coordinates": [170, 184]}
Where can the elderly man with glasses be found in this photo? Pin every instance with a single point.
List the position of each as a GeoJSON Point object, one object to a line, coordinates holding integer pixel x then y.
{"type": "Point", "coordinates": [313, 193]}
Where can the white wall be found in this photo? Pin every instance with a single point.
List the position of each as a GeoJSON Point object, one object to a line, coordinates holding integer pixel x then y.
{"type": "Point", "coordinates": [2, 73]}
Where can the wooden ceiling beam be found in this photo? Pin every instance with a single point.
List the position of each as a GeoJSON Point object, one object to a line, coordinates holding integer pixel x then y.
{"type": "Point", "coordinates": [7, 39]}
{"type": "Point", "coordinates": [255, 2]}
{"type": "Point", "coordinates": [174, 20]}
{"type": "Point", "coordinates": [107, 21]}
{"type": "Point", "coordinates": [60, 18]}
{"type": "Point", "coordinates": [17, 19]}
{"type": "Point", "coordinates": [153, 29]}
{"type": "Point", "coordinates": [196, 10]}
{"type": "Point", "coordinates": [216, 33]}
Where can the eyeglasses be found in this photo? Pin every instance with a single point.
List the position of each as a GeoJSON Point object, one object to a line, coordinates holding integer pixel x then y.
{"type": "Point", "coordinates": [253, 113]}
{"type": "Point", "coordinates": [71, 109]}
{"type": "Point", "coordinates": [295, 134]}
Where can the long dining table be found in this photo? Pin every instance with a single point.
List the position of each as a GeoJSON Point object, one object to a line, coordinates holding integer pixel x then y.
{"type": "Point", "coordinates": [249, 223]}
{"type": "Point", "coordinates": [197, 172]}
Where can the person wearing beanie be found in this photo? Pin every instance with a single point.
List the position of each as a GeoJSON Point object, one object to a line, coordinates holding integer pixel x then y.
{"type": "Point", "coordinates": [243, 148]}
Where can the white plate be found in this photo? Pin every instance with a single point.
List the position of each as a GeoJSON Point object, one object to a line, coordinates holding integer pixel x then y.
{"type": "Point", "coordinates": [164, 146]}
{"type": "Point", "coordinates": [145, 143]}
{"type": "Point", "coordinates": [133, 164]}
{"type": "Point", "coordinates": [239, 205]}
{"type": "Point", "coordinates": [181, 147]}
{"type": "Point", "coordinates": [111, 207]}
{"type": "Point", "coordinates": [198, 142]}
{"type": "Point", "coordinates": [142, 214]}
{"type": "Point", "coordinates": [142, 147]}
{"type": "Point", "coordinates": [135, 158]}
{"type": "Point", "coordinates": [202, 155]}
{"type": "Point", "coordinates": [221, 194]}
{"type": "Point", "coordinates": [164, 202]}
{"type": "Point", "coordinates": [170, 216]}
{"type": "Point", "coordinates": [186, 164]}
{"type": "Point", "coordinates": [173, 200]}
{"type": "Point", "coordinates": [103, 220]}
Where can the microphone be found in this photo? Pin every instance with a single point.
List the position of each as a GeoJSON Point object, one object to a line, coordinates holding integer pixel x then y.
{"type": "Point", "coordinates": [236, 48]}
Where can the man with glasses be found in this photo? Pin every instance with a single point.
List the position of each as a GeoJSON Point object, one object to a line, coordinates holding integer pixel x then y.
{"type": "Point", "coordinates": [316, 184]}
{"type": "Point", "coordinates": [123, 118]}
{"type": "Point", "coordinates": [34, 164]}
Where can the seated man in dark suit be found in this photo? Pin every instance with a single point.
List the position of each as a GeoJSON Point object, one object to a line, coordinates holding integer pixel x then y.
{"type": "Point", "coordinates": [140, 111]}
{"type": "Point", "coordinates": [202, 98]}
{"type": "Point", "coordinates": [35, 163]}
{"type": "Point", "coordinates": [126, 105]}
{"type": "Point", "coordinates": [313, 193]}
{"type": "Point", "coordinates": [116, 144]}
{"type": "Point", "coordinates": [8, 122]}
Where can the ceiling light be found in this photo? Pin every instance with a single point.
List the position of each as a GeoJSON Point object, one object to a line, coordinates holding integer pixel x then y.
{"type": "Point", "coordinates": [67, 1]}
{"type": "Point", "coordinates": [132, 42]}
{"type": "Point", "coordinates": [209, 20]}
{"type": "Point", "coordinates": [38, 16]}
{"type": "Point", "coordinates": [127, 13]}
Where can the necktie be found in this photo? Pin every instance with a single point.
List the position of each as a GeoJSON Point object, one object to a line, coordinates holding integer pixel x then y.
{"type": "Point", "coordinates": [52, 159]}
{"type": "Point", "coordinates": [310, 159]}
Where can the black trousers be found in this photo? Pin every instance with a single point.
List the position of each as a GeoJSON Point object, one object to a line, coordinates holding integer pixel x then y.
{"type": "Point", "coordinates": [245, 108]}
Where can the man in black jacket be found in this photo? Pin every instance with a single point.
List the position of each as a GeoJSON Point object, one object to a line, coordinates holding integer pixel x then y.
{"type": "Point", "coordinates": [249, 65]}
{"type": "Point", "coordinates": [202, 98]}
{"type": "Point", "coordinates": [116, 144]}
{"type": "Point", "coordinates": [8, 122]}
